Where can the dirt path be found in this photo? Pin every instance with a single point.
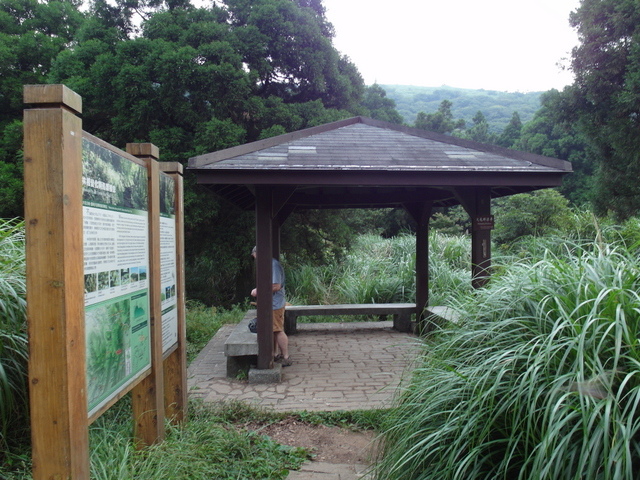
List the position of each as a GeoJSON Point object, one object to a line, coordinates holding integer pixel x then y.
{"type": "Point", "coordinates": [326, 444]}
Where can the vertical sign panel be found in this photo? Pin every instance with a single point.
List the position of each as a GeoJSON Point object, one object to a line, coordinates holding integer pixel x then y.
{"type": "Point", "coordinates": [168, 270]}
{"type": "Point", "coordinates": [116, 266]}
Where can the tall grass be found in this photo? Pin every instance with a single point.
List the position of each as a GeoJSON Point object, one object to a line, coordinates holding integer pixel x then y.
{"type": "Point", "coordinates": [541, 381]}
{"type": "Point", "coordinates": [382, 270]}
{"type": "Point", "coordinates": [13, 335]}
{"type": "Point", "coordinates": [207, 446]}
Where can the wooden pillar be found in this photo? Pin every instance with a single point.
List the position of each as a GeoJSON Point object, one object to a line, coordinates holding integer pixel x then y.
{"type": "Point", "coordinates": [481, 240]}
{"type": "Point", "coordinates": [477, 203]}
{"type": "Point", "coordinates": [55, 282]}
{"type": "Point", "coordinates": [175, 365]}
{"type": "Point", "coordinates": [148, 395]}
{"type": "Point", "coordinates": [421, 214]}
{"type": "Point", "coordinates": [264, 240]}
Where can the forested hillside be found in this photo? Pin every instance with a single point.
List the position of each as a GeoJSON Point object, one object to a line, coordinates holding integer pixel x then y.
{"type": "Point", "coordinates": [196, 80]}
{"type": "Point", "coordinates": [497, 107]}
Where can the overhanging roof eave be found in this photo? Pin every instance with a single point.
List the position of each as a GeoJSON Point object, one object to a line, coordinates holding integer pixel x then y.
{"type": "Point", "coordinates": [540, 179]}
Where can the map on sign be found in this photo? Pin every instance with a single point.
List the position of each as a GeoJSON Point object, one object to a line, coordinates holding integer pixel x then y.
{"type": "Point", "coordinates": [116, 266]}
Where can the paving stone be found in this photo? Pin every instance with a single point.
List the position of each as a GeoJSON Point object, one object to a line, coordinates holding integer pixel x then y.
{"type": "Point", "coordinates": [337, 366]}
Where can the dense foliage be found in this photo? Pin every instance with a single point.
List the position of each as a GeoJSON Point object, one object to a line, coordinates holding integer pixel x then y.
{"type": "Point", "coordinates": [604, 99]}
{"type": "Point", "coordinates": [541, 379]}
{"type": "Point", "coordinates": [379, 270]}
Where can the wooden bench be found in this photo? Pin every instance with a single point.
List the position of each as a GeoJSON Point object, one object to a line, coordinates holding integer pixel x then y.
{"type": "Point", "coordinates": [401, 313]}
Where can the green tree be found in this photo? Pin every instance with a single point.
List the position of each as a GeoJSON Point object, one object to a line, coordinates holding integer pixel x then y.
{"type": "Point", "coordinates": [511, 133]}
{"type": "Point", "coordinates": [479, 131]}
{"type": "Point", "coordinates": [289, 51]}
{"type": "Point", "coordinates": [377, 105]}
{"type": "Point", "coordinates": [32, 33]}
{"type": "Point", "coordinates": [548, 134]}
{"type": "Point", "coordinates": [605, 97]}
{"type": "Point", "coordinates": [441, 121]}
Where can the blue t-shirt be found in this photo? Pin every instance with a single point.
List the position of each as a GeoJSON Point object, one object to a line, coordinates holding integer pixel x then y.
{"type": "Point", "coordinates": [277, 276]}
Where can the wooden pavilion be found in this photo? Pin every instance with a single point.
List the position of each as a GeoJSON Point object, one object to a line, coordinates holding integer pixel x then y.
{"type": "Point", "coordinates": [365, 163]}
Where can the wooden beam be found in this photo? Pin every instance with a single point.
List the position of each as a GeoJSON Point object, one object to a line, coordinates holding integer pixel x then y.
{"type": "Point", "coordinates": [424, 178]}
{"type": "Point", "coordinates": [281, 198]}
{"type": "Point", "coordinates": [481, 241]}
{"type": "Point", "coordinates": [55, 283]}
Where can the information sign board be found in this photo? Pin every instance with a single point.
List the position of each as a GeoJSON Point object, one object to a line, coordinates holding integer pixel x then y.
{"type": "Point", "coordinates": [168, 272]}
{"type": "Point", "coordinates": [116, 266]}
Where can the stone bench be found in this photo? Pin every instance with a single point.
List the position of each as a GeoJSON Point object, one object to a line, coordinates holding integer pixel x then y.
{"type": "Point", "coordinates": [401, 313]}
{"type": "Point", "coordinates": [447, 314]}
{"type": "Point", "coordinates": [241, 347]}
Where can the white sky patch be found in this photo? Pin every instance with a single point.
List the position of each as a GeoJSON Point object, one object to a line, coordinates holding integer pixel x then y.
{"type": "Point", "coordinates": [505, 45]}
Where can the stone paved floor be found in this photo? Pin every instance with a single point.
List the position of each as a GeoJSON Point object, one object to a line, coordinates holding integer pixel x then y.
{"type": "Point", "coordinates": [336, 366]}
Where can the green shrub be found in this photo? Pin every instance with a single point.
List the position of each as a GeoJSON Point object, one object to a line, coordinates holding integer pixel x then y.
{"type": "Point", "coordinates": [531, 214]}
{"type": "Point", "coordinates": [542, 380]}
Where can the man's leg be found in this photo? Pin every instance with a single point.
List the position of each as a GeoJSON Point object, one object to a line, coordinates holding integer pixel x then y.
{"type": "Point", "coordinates": [283, 343]}
{"type": "Point", "coordinates": [279, 337]}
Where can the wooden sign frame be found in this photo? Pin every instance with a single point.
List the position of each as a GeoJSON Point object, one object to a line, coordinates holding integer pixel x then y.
{"type": "Point", "coordinates": [56, 292]}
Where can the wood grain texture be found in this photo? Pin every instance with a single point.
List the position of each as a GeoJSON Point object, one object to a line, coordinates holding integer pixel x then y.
{"type": "Point", "coordinates": [55, 286]}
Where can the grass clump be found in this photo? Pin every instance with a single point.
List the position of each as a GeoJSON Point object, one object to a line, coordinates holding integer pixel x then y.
{"type": "Point", "coordinates": [13, 340]}
{"type": "Point", "coordinates": [541, 381]}
{"type": "Point", "coordinates": [207, 446]}
{"type": "Point", "coordinates": [238, 412]}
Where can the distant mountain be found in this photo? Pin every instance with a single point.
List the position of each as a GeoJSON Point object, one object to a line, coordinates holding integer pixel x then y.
{"type": "Point", "coordinates": [497, 107]}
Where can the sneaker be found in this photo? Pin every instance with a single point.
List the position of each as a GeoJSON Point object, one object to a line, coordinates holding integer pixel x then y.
{"type": "Point", "coordinates": [286, 362]}
{"type": "Point", "coordinates": [278, 358]}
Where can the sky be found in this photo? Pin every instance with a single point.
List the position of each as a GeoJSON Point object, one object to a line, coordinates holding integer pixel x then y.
{"type": "Point", "coordinates": [503, 45]}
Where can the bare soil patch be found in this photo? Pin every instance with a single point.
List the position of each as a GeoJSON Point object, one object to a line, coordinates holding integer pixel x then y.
{"type": "Point", "coordinates": [325, 443]}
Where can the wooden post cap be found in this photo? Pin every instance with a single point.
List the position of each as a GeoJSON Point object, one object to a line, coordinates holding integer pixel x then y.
{"type": "Point", "coordinates": [171, 167]}
{"type": "Point", "coordinates": [143, 150]}
{"type": "Point", "coordinates": [52, 95]}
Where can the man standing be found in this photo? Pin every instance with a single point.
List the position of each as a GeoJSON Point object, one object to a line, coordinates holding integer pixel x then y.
{"type": "Point", "coordinates": [280, 339]}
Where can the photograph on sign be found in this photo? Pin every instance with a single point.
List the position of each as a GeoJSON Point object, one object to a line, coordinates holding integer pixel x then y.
{"type": "Point", "coordinates": [116, 264]}
{"type": "Point", "coordinates": [168, 273]}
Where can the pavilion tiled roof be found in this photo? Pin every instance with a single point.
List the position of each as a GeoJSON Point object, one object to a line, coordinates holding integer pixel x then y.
{"type": "Point", "coordinates": [359, 159]}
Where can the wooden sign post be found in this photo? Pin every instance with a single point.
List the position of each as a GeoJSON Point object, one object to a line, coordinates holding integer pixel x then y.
{"type": "Point", "coordinates": [55, 282]}
{"type": "Point", "coordinates": [148, 395]}
{"type": "Point", "coordinates": [175, 361]}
